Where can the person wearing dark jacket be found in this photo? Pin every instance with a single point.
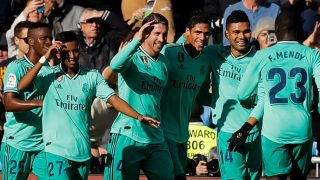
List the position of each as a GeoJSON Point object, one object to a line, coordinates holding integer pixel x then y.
{"type": "Point", "coordinates": [101, 33]}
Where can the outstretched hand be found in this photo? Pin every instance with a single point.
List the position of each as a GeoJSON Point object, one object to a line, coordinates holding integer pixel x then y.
{"type": "Point", "coordinates": [148, 120]}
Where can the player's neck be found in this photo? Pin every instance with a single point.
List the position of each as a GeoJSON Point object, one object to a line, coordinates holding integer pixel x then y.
{"type": "Point", "coordinates": [150, 51]}
{"type": "Point", "coordinates": [192, 51]}
{"type": "Point", "coordinates": [71, 71]}
{"type": "Point", "coordinates": [33, 56]}
{"type": "Point", "coordinates": [237, 53]}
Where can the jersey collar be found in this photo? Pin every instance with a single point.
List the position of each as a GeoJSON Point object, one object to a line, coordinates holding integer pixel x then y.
{"type": "Point", "coordinates": [145, 52]}
{"type": "Point", "coordinates": [189, 54]}
{"type": "Point", "coordinates": [28, 60]}
{"type": "Point", "coordinates": [242, 56]}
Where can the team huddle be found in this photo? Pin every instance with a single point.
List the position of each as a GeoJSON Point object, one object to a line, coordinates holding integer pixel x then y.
{"type": "Point", "coordinates": [261, 99]}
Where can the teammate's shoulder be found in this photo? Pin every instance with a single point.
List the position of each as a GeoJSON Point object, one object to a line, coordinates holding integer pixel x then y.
{"type": "Point", "coordinates": [173, 45]}
{"type": "Point", "coordinates": [90, 70]}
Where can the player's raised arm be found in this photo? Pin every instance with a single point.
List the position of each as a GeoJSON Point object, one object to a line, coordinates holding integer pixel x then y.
{"type": "Point", "coordinates": [32, 73]}
{"type": "Point", "coordinates": [126, 109]}
{"type": "Point", "coordinates": [122, 60]}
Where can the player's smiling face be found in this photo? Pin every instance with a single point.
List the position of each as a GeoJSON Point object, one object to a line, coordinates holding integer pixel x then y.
{"type": "Point", "coordinates": [239, 35]}
{"type": "Point", "coordinates": [70, 54]}
{"type": "Point", "coordinates": [156, 39]}
{"type": "Point", "coordinates": [198, 35]}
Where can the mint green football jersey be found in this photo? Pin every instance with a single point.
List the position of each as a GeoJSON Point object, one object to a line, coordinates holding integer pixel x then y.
{"type": "Point", "coordinates": [285, 72]}
{"type": "Point", "coordinates": [141, 80]}
{"type": "Point", "coordinates": [186, 77]}
{"type": "Point", "coordinates": [181, 40]}
{"type": "Point", "coordinates": [23, 129]}
{"type": "Point", "coordinates": [227, 73]}
{"type": "Point", "coordinates": [66, 109]}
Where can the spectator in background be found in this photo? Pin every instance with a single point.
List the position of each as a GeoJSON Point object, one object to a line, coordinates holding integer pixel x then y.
{"type": "Point", "coordinates": [216, 8]}
{"type": "Point", "coordinates": [264, 29]}
{"type": "Point", "coordinates": [255, 10]}
{"type": "Point", "coordinates": [63, 15]}
{"type": "Point", "coordinates": [98, 48]}
{"type": "Point", "coordinates": [20, 40]}
{"type": "Point", "coordinates": [3, 48]}
{"type": "Point", "coordinates": [29, 13]}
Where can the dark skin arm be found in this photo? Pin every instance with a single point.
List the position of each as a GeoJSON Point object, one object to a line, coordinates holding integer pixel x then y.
{"type": "Point", "coordinates": [12, 103]}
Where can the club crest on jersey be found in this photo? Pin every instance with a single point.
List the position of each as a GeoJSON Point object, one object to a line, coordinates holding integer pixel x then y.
{"type": "Point", "coordinates": [180, 57]}
{"type": "Point", "coordinates": [85, 88]}
{"type": "Point", "coordinates": [202, 69]}
{"type": "Point", "coordinates": [12, 80]}
{"type": "Point", "coordinates": [59, 76]}
{"type": "Point", "coordinates": [145, 61]}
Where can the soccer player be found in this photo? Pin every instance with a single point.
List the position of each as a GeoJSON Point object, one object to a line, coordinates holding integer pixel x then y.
{"type": "Point", "coordinates": [284, 73]}
{"type": "Point", "coordinates": [189, 69]}
{"type": "Point", "coordinates": [229, 64]}
{"type": "Point", "coordinates": [69, 91]}
{"type": "Point", "coordinates": [142, 76]}
{"type": "Point", "coordinates": [22, 144]}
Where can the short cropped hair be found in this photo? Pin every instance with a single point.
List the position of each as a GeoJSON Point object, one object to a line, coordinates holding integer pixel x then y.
{"type": "Point", "coordinates": [236, 17]}
{"type": "Point", "coordinates": [66, 36]}
{"type": "Point", "coordinates": [37, 25]}
{"type": "Point", "coordinates": [197, 17]}
{"type": "Point", "coordinates": [19, 27]}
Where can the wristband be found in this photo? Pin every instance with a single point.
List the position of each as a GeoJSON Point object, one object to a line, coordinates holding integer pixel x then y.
{"type": "Point", "coordinates": [42, 60]}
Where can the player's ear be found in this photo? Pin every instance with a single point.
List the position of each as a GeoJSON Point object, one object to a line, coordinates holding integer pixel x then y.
{"type": "Point", "coordinates": [226, 34]}
{"type": "Point", "coordinates": [30, 41]}
{"type": "Point", "coordinates": [187, 32]}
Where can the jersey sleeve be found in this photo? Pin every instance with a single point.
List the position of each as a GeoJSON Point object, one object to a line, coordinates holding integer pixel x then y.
{"type": "Point", "coordinates": [122, 60]}
{"type": "Point", "coordinates": [12, 77]}
{"type": "Point", "coordinates": [43, 79]}
{"type": "Point", "coordinates": [103, 91]}
{"type": "Point", "coordinates": [250, 79]}
{"type": "Point", "coordinates": [316, 74]}
{"type": "Point", "coordinates": [258, 110]}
